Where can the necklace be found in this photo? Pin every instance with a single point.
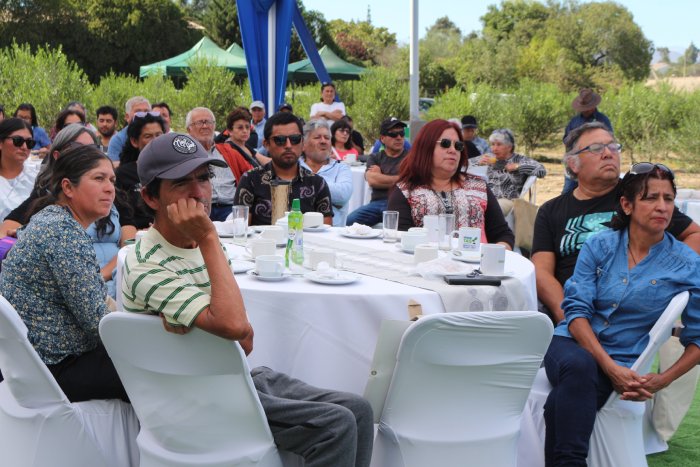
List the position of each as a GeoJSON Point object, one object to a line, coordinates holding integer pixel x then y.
{"type": "Point", "coordinates": [446, 201]}
{"type": "Point", "coordinates": [631, 254]}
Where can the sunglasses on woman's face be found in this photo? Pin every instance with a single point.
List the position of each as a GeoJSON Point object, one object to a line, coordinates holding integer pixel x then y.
{"type": "Point", "coordinates": [447, 143]}
{"type": "Point", "coordinates": [18, 141]}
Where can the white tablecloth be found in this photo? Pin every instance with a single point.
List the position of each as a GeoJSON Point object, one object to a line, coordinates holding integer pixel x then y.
{"type": "Point", "coordinates": [325, 335]}
{"type": "Point", "coordinates": [360, 189]}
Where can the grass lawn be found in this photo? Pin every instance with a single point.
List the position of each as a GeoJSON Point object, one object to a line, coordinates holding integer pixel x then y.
{"type": "Point", "coordinates": [684, 447]}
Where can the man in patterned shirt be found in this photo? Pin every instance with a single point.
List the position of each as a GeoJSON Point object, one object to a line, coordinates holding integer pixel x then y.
{"type": "Point", "coordinates": [179, 268]}
{"type": "Point", "coordinates": [258, 188]}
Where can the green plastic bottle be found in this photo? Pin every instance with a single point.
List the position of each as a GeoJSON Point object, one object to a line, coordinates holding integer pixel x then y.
{"type": "Point", "coordinates": [294, 255]}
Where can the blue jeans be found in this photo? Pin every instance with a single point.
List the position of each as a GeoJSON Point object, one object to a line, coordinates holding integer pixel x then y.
{"type": "Point", "coordinates": [369, 214]}
{"type": "Point", "coordinates": [580, 388]}
{"type": "Point", "coordinates": [569, 185]}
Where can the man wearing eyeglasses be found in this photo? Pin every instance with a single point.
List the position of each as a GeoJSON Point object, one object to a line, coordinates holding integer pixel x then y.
{"type": "Point", "coordinates": [564, 223]}
{"type": "Point", "coordinates": [382, 172]}
{"type": "Point", "coordinates": [270, 189]}
{"type": "Point", "coordinates": [136, 104]}
{"type": "Point", "coordinates": [201, 125]}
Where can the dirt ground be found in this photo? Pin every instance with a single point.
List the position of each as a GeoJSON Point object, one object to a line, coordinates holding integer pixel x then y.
{"type": "Point", "coordinates": [551, 185]}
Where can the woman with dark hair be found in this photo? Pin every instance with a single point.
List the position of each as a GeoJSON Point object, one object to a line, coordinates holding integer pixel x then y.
{"type": "Point", "coordinates": [239, 157]}
{"type": "Point", "coordinates": [27, 112]}
{"type": "Point", "coordinates": [108, 234]}
{"type": "Point", "coordinates": [52, 278]}
{"type": "Point", "coordinates": [144, 127]}
{"type": "Point", "coordinates": [623, 281]}
{"type": "Point", "coordinates": [16, 173]}
{"type": "Point", "coordinates": [430, 182]}
{"type": "Point", "coordinates": [328, 108]}
{"type": "Point", "coordinates": [340, 139]}
{"type": "Point", "coordinates": [66, 117]}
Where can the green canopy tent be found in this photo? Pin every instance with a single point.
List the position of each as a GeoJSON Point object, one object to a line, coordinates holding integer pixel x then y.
{"type": "Point", "coordinates": [205, 49]}
{"type": "Point", "coordinates": [338, 68]}
{"type": "Point", "coordinates": [236, 50]}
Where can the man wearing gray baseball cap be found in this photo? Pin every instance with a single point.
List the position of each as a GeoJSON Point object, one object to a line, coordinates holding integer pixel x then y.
{"type": "Point", "coordinates": [180, 269]}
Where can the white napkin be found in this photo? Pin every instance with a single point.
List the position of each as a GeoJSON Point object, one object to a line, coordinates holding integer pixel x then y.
{"type": "Point", "coordinates": [358, 229]}
{"type": "Point", "coordinates": [324, 271]}
{"type": "Point", "coordinates": [440, 267]}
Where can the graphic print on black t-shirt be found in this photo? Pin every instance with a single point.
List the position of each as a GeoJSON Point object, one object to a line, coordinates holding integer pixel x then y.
{"type": "Point", "coordinates": [581, 228]}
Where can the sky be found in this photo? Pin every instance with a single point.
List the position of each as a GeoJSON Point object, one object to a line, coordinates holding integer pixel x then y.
{"type": "Point", "coordinates": [673, 25]}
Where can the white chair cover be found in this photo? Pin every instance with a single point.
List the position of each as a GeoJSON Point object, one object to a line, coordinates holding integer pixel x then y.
{"type": "Point", "coordinates": [617, 437]}
{"type": "Point", "coordinates": [192, 393]}
{"type": "Point", "coordinates": [40, 427]}
{"type": "Point", "coordinates": [459, 387]}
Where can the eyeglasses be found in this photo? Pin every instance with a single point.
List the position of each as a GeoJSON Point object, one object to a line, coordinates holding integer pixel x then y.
{"type": "Point", "coordinates": [344, 130]}
{"type": "Point", "coordinates": [153, 113]}
{"type": "Point", "coordinates": [598, 148]}
{"type": "Point", "coordinates": [641, 168]}
{"type": "Point", "coordinates": [447, 143]}
{"type": "Point", "coordinates": [18, 141]}
{"type": "Point", "coordinates": [394, 134]}
{"type": "Point", "coordinates": [202, 123]}
{"type": "Point", "coordinates": [281, 140]}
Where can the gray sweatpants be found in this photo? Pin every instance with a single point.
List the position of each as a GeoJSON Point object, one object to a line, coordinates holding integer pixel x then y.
{"type": "Point", "coordinates": [327, 428]}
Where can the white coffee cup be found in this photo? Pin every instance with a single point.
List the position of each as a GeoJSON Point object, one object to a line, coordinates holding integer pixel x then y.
{"type": "Point", "coordinates": [319, 255]}
{"type": "Point", "coordinates": [269, 266]}
{"type": "Point", "coordinates": [312, 219]}
{"type": "Point", "coordinates": [261, 246]}
{"type": "Point", "coordinates": [410, 239]}
{"type": "Point", "coordinates": [424, 252]}
{"type": "Point", "coordinates": [468, 238]}
{"type": "Point", "coordinates": [493, 259]}
{"type": "Point", "coordinates": [277, 233]}
{"type": "Point", "coordinates": [432, 227]}
{"type": "Point", "coordinates": [350, 158]}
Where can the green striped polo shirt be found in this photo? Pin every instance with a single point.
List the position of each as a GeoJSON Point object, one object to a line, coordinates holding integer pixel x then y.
{"type": "Point", "coordinates": [159, 277]}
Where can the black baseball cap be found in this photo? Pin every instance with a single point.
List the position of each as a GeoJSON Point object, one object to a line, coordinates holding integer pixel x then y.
{"type": "Point", "coordinates": [389, 123]}
{"type": "Point", "coordinates": [469, 121]}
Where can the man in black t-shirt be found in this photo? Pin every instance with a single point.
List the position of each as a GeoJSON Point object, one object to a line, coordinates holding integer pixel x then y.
{"type": "Point", "coordinates": [564, 223]}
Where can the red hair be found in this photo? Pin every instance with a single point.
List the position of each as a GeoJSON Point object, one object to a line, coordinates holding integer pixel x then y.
{"type": "Point", "coordinates": [417, 168]}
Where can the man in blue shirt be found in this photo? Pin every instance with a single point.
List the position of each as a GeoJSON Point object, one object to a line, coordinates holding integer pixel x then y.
{"type": "Point", "coordinates": [257, 110]}
{"type": "Point", "coordinates": [133, 106]}
{"type": "Point", "coordinates": [586, 104]}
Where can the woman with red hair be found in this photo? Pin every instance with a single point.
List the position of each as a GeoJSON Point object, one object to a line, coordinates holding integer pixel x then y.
{"type": "Point", "coordinates": [431, 182]}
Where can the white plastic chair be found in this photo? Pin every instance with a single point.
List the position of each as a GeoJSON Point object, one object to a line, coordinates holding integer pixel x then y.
{"type": "Point", "coordinates": [192, 393]}
{"type": "Point", "coordinates": [459, 388]}
{"type": "Point", "coordinates": [121, 257]}
{"type": "Point", "coordinates": [530, 189]}
{"type": "Point", "coordinates": [617, 438]}
{"type": "Point", "coordinates": [39, 427]}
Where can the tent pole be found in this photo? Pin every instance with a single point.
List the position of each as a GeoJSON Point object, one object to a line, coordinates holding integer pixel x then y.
{"type": "Point", "coordinates": [414, 78]}
{"type": "Point", "coordinates": [271, 49]}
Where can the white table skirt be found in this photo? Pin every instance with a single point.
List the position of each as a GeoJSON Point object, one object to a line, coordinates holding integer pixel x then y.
{"type": "Point", "coordinates": [325, 335]}
{"type": "Point", "coordinates": [361, 191]}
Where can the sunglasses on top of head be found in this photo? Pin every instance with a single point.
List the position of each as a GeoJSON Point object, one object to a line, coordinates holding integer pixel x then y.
{"type": "Point", "coordinates": [642, 168]}
{"type": "Point", "coordinates": [446, 143]}
{"type": "Point", "coordinates": [281, 140]}
{"type": "Point", "coordinates": [153, 113]}
{"type": "Point", "coordinates": [18, 141]}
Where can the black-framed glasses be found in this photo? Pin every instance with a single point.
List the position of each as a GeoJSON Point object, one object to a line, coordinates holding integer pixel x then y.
{"type": "Point", "coordinates": [203, 123]}
{"type": "Point", "coordinates": [598, 148]}
{"type": "Point", "coordinates": [18, 141]}
{"type": "Point", "coordinates": [281, 140]}
{"type": "Point", "coordinates": [152, 113]}
{"type": "Point", "coordinates": [395, 134]}
{"type": "Point", "coordinates": [447, 143]}
{"type": "Point", "coordinates": [344, 130]}
{"type": "Point", "coordinates": [642, 168]}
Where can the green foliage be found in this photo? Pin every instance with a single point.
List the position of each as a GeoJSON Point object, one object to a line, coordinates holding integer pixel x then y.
{"type": "Point", "coordinates": [221, 20]}
{"type": "Point", "coordinates": [691, 54]}
{"type": "Point", "coordinates": [382, 93]}
{"type": "Point", "coordinates": [46, 79]}
{"type": "Point", "coordinates": [360, 41]}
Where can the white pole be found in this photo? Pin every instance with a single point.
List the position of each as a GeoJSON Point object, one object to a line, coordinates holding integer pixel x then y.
{"type": "Point", "coordinates": [414, 78]}
{"type": "Point", "coordinates": [271, 49]}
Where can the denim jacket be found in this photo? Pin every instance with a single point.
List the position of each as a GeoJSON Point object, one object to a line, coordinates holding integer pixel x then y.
{"type": "Point", "coordinates": [622, 305]}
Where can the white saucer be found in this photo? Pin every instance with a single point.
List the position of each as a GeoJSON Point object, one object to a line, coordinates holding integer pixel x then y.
{"type": "Point", "coordinates": [467, 257]}
{"type": "Point", "coordinates": [238, 266]}
{"type": "Point", "coordinates": [373, 234]}
{"type": "Point", "coordinates": [405, 250]}
{"type": "Point", "coordinates": [318, 228]}
{"type": "Point", "coordinates": [344, 277]}
{"type": "Point", "coordinates": [267, 279]}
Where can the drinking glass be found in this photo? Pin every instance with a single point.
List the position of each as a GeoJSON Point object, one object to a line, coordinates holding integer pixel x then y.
{"type": "Point", "coordinates": [390, 221]}
{"type": "Point", "coordinates": [240, 224]}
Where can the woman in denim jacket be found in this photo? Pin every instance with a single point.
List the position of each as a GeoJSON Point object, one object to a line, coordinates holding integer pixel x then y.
{"type": "Point", "coordinates": [623, 281]}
